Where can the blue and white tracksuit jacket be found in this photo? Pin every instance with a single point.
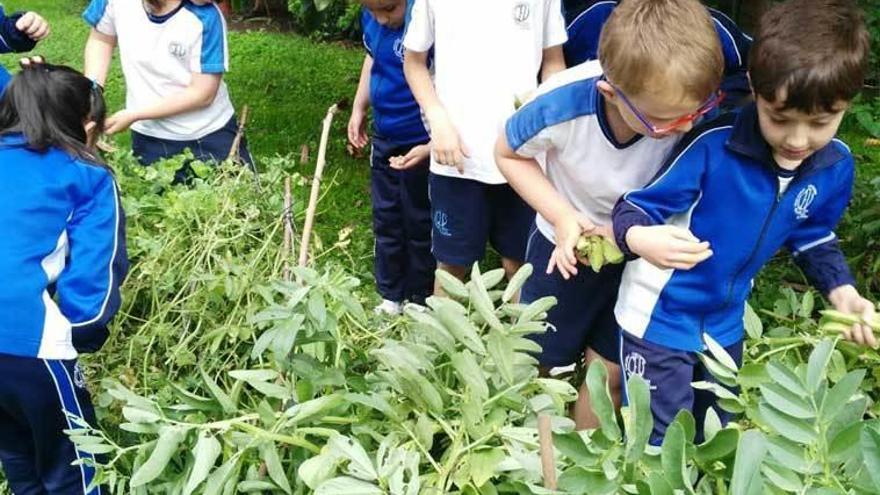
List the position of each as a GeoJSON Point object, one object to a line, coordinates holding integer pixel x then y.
{"type": "Point", "coordinates": [63, 257]}
{"type": "Point", "coordinates": [722, 185]}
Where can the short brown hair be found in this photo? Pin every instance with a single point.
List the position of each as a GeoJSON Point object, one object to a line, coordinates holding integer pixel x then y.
{"type": "Point", "coordinates": [671, 41]}
{"type": "Point", "coordinates": [817, 50]}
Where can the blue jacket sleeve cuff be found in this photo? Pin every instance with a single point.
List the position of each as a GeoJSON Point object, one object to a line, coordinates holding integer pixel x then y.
{"type": "Point", "coordinates": [16, 41]}
{"type": "Point", "coordinates": [825, 266]}
{"type": "Point", "coordinates": [624, 217]}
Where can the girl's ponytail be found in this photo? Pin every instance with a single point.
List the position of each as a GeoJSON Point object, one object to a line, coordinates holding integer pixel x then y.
{"type": "Point", "coordinates": [50, 105]}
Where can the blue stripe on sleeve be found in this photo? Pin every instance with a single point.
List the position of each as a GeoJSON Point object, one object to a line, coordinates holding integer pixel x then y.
{"type": "Point", "coordinates": [559, 105]}
{"type": "Point", "coordinates": [213, 56]}
{"type": "Point", "coordinates": [95, 11]}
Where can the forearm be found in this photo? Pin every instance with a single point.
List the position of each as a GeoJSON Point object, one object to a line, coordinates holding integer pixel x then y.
{"type": "Point", "coordinates": [825, 266]}
{"type": "Point", "coordinates": [362, 96]}
{"type": "Point", "coordinates": [415, 68]}
{"type": "Point", "coordinates": [174, 104]}
{"type": "Point", "coordinates": [526, 177]}
{"type": "Point", "coordinates": [553, 62]}
{"type": "Point", "coordinates": [98, 55]}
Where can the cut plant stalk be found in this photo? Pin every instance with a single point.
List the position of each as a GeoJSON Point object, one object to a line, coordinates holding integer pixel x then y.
{"type": "Point", "coordinates": [316, 186]}
{"type": "Point", "coordinates": [236, 142]}
{"type": "Point", "coordinates": [548, 463]}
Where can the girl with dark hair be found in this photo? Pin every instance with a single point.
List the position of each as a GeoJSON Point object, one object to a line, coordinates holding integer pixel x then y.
{"type": "Point", "coordinates": [173, 55]}
{"type": "Point", "coordinates": [62, 260]}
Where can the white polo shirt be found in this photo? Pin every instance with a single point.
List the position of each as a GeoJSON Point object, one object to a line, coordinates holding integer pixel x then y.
{"type": "Point", "coordinates": [487, 53]}
{"type": "Point", "coordinates": [584, 162]}
{"type": "Point", "coordinates": [159, 56]}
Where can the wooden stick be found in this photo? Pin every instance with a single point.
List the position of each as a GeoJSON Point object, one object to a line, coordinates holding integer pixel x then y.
{"type": "Point", "coordinates": [316, 185]}
{"type": "Point", "coordinates": [288, 229]}
{"type": "Point", "coordinates": [545, 440]}
{"type": "Point", "coordinates": [872, 142]}
{"type": "Point", "coordinates": [233, 151]}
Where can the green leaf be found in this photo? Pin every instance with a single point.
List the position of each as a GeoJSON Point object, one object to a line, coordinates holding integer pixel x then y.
{"type": "Point", "coordinates": [711, 424]}
{"type": "Point", "coordinates": [786, 378]}
{"type": "Point", "coordinates": [312, 408]}
{"type": "Point", "coordinates": [170, 438]}
{"type": "Point", "coordinates": [746, 471]}
{"type": "Point", "coordinates": [136, 415]}
{"type": "Point", "coordinates": [221, 476]}
{"type": "Point", "coordinates": [218, 393]}
{"type": "Point", "coordinates": [492, 278]}
{"type": "Point", "coordinates": [374, 401]}
{"type": "Point", "coordinates": [459, 326]}
{"type": "Point", "coordinates": [782, 477]}
{"type": "Point", "coordinates": [808, 302]}
{"type": "Point", "coordinates": [480, 300]}
{"type": "Point", "coordinates": [502, 354]}
{"type": "Point", "coordinates": [787, 402]}
{"type": "Point", "coordinates": [576, 480]}
{"type": "Point", "coordinates": [722, 445]}
{"type": "Point", "coordinates": [206, 452]}
{"type": "Point", "coordinates": [318, 469]}
{"type": "Point", "coordinates": [269, 453]}
{"type": "Point", "coordinates": [719, 353]}
{"type": "Point", "coordinates": [791, 455]}
{"type": "Point", "coordinates": [794, 429]}
{"type": "Point", "coordinates": [345, 485]}
{"type": "Point", "coordinates": [360, 465]}
{"type": "Point", "coordinates": [482, 464]}
{"type": "Point", "coordinates": [600, 400]}
{"type": "Point", "coordinates": [317, 308]}
{"type": "Point", "coordinates": [845, 444]}
{"type": "Point", "coordinates": [640, 421]}
{"type": "Point", "coordinates": [721, 372]}
{"type": "Point", "coordinates": [819, 359]}
{"type": "Point", "coordinates": [870, 445]}
{"type": "Point", "coordinates": [536, 308]}
{"type": "Point", "coordinates": [516, 282]}
{"type": "Point", "coordinates": [754, 327]}
{"type": "Point", "coordinates": [470, 373]}
{"type": "Point", "coordinates": [673, 459]}
{"type": "Point", "coordinates": [250, 376]}
{"type": "Point", "coordinates": [840, 394]}
{"type": "Point", "coordinates": [451, 284]}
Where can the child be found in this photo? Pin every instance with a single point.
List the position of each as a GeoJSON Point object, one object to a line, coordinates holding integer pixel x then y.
{"type": "Point", "coordinates": [19, 32]}
{"type": "Point", "coordinates": [735, 192]}
{"type": "Point", "coordinates": [487, 55]}
{"type": "Point", "coordinates": [583, 44]}
{"type": "Point", "coordinates": [173, 55]}
{"type": "Point", "coordinates": [602, 136]}
{"type": "Point", "coordinates": [62, 261]}
{"type": "Point", "coordinates": [399, 186]}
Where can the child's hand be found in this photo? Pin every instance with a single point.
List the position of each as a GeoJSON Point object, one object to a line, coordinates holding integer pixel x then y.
{"type": "Point", "coordinates": [119, 122]}
{"type": "Point", "coordinates": [567, 231]}
{"type": "Point", "coordinates": [357, 129]}
{"type": "Point", "coordinates": [846, 299]}
{"type": "Point", "coordinates": [33, 25]}
{"type": "Point", "coordinates": [415, 156]}
{"type": "Point", "coordinates": [667, 246]}
{"type": "Point", "coordinates": [448, 148]}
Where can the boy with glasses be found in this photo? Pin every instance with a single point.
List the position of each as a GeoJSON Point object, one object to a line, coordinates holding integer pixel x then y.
{"type": "Point", "coordinates": [603, 136]}
{"type": "Point", "coordinates": [735, 192]}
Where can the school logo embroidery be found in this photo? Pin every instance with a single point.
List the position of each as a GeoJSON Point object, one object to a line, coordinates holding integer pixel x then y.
{"type": "Point", "coordinates": [177, 49]}
{"type": "Point", "coordinates": [398, 48]}
{"type": "Point", "coordinates": [634, 364]}
{"type": "Point", "coordinates": [78, 378]}
{"type": "Point", "coordinates": [803, 201]}
{"type": "Point", "coordinates": [441, 221]}
{"type": "Point", "coordinates": [521, 13]}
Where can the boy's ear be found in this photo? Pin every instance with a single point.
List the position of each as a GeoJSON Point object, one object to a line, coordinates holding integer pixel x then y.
{"type": "Point", "coordinates": [607, 91]}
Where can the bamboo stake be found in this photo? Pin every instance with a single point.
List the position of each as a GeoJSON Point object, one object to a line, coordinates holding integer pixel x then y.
{"type": "Point", "coordinates": [316, 185]}
{"type": "Point", "coordinates": [872, 142]}
{"type": "Point", "coordinates": [288, 230]}
{"type": "Point", "coordinates": [233, 151]}
{"type": "Point", "coordinates": [545, 440]}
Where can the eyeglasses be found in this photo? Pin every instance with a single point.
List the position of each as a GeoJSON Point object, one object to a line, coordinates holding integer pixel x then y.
{"type": "Point", "coordinates": [707, 106]}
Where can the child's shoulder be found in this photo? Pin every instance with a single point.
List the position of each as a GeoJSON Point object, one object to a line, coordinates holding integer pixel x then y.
{"type": "Point", "coordinates": [572, 89]}
{"type": "Point", "coordinates": [208, 14]}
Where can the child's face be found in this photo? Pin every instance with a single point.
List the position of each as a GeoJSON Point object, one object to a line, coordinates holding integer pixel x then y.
{"type": "Point", "coordinates": [657, 113]}
{"type": "Point", "coordinates": [794, 135]}
{"type": "Point", "coordinates": [389, 13]}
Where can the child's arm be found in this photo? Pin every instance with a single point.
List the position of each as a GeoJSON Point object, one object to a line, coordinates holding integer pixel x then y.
{"type": "Point", "coordinates": [555, 35]}
{"type": "Point", "coordinates": [817, 252]}
{"type": "Point", "coordinates": [98, 55]}
{"type": "Point", "coordinates": [448, 149]}
{"type": "Point", "coordinates": [639, 216]}
{"type": "Point", "coordinates": [21, 31]}
{"type": "Point", "coordinates": [413, 158]}
{"type": "Point", "coordinates": [525, 176]}
{"type": "Point", "coordinates": [357, 132]}
{"type": "Point", "coordinates": [88, 287]}
{"type": "Point", "coordinates": [553, 61]}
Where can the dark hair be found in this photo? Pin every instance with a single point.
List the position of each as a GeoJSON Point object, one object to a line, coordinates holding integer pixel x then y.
{"type": "Point", "coordinates": [50, 105]}
{"type": "Point", "coordinates": [817, 50]}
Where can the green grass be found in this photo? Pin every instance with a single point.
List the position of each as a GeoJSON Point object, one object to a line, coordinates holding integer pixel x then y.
{"type": "Point", "coordinates": [288, 82]}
